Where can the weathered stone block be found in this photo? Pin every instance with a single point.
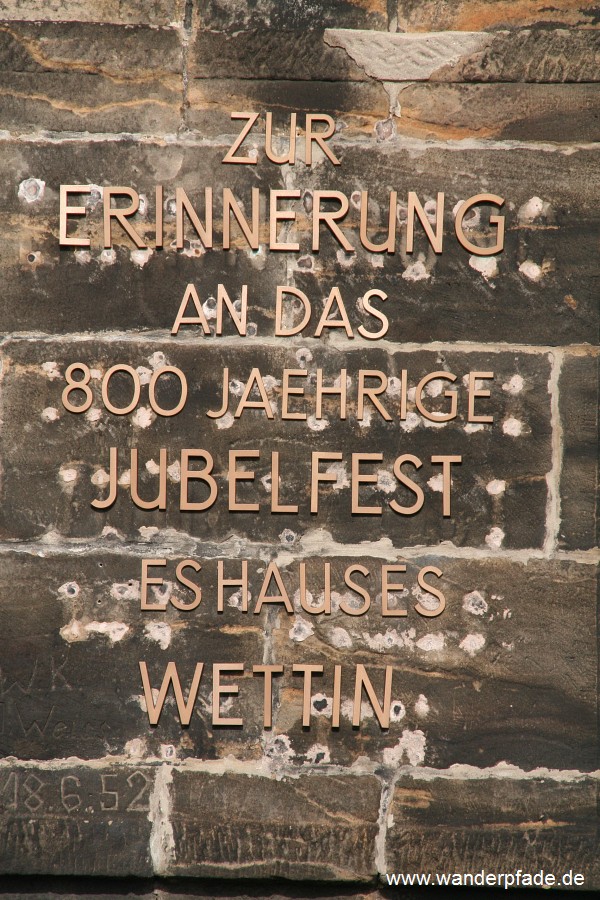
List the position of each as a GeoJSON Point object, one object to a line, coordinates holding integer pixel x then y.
{"type": "Point", "coordinates": [579, 478]}
{"type": "Point", "coordinates": [259, 54]}
{"type": "Point", "coordinates": [458, 825]}
{"type": "Point", "coordinates": [519, 112]}
{"type": "Point", "coordinates": [123, 289]}
{"type": "Point", "coordinates": [546, 55]}
{"type": "Point", "coordinates": [54, 492]}
{"type": "Point", "coordinates": [479, 15]}
{"type": "Point", "coordinates": [72, 77]}
{"type": "Point", "coordinates": [542, 286]}
{"type": "Point", "coordinates": [356, 106]}
{"type": "Point", "coordinates": [75, 820]}
{"type": "Point", "coordinates": [135, 12]}
{"type": "Point", "coordinates": [286, 15]}
{"type": "Point", "coordinates": [310, 827]}
{"type": "Point", "coordinates": [490, 679]}
{"type": "Point", "coordinates": [71, 683]}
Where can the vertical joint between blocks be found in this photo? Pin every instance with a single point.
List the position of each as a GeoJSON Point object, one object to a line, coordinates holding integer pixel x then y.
{"type": "Point", "coordinates": [553, 477]}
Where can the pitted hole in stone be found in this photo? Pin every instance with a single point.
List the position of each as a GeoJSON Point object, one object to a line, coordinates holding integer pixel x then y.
{"type": "Point", "coordinates": [385, 130]}
{"type": "Point", "coordinates": [471, 219]}
{"type": "Point", "coordinates": [252, 329]}
{"type": "Point", "coordinates": [69, 589]}
{"type": "Point", "coordinates": [430, 209]}
{"type": "Point", "coordinates": [93, 197]}
{"type": "Point", "coordinates": [170, 206]}
{"type": "Point", "coordinates": [279, 748]}
{"type": "Point", "coordinates": [307, 201]}
{"type": "Point", "coordinates": [475, 603]}
{"type": "Point", "coordinates": [346, 260]}
{"type": "Point", "coordinates": [108, 257]}
{"type": "Point", "coordinates": [303, 356]}
{"type": "Point", "coordinates": [397, 711]}
{"type": "Point", "coordinates": [321, 704]}
{"type": "Point", "coordinates": [512, 427]}
{"type": "Point", "coordinates": [305, 262]}
{"type": "Point", "coordinates": [163, 592]}
{"type": "Point", "coordinates": [32, 189]}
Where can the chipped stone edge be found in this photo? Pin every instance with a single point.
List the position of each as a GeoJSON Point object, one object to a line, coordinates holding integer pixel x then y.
{"type": "Point", "coordinates": [553, 477]}
{"type": "Point", "coordinates": [414, 56]}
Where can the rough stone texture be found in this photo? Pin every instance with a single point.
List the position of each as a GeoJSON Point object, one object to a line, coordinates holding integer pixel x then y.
{"type": "Point", "coordinates": [490, 759]}
{"type": "Point", "coordinates": [357, 109]}
{"type": "Point", "coordinates": [232, 826]}
{"type": "Point", "coordinates": [535, 112]}
{"type": "Point", "coordinates": [443, 298]}
{"type": "Point", "coordinates": [424, 110]}
{"type": "Point", "coordinates": [285, 15]}
{"type": "Point", "coordinates": [134, 12]}
{"type": "Point", "coordinates": [515, 447]}
{"type": "Point", "coordinates": [579, 485]}
{"type": "Point", "coordinates": [36, 888]}
{"type": "Point", "coordinates": [474, 685]}
{"type": "Point", "coordinates": [260, 53]}
{"type": "Point", "coordinates": [558, 55]}
{"type": "Point", "coordinates": [501, 825]}
{"type": "Point", "coordinates": [71, 77]}
{"type": "Point", "coordinates": [537, 55]}
{"type": "Point", "coordinates": [477, 660]}
{"type": "Point", "coordinates": [53, 703]}
{"type": "Point", "coordinates": [75, 820]}
{"type": "Point", "coordinates": [480, 15]}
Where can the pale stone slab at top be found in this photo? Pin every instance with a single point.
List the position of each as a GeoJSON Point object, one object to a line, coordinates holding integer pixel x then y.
{"type": "Point", "coordinates": [554, 55]}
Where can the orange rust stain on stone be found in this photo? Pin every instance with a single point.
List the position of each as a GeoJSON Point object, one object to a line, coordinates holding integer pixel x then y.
{"type": "Point", "coordinates": [414, 127]}
{"type": "Point", "coordinates": [377, 7]}
{"type": "Point", "coordinates": [473, 15]}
